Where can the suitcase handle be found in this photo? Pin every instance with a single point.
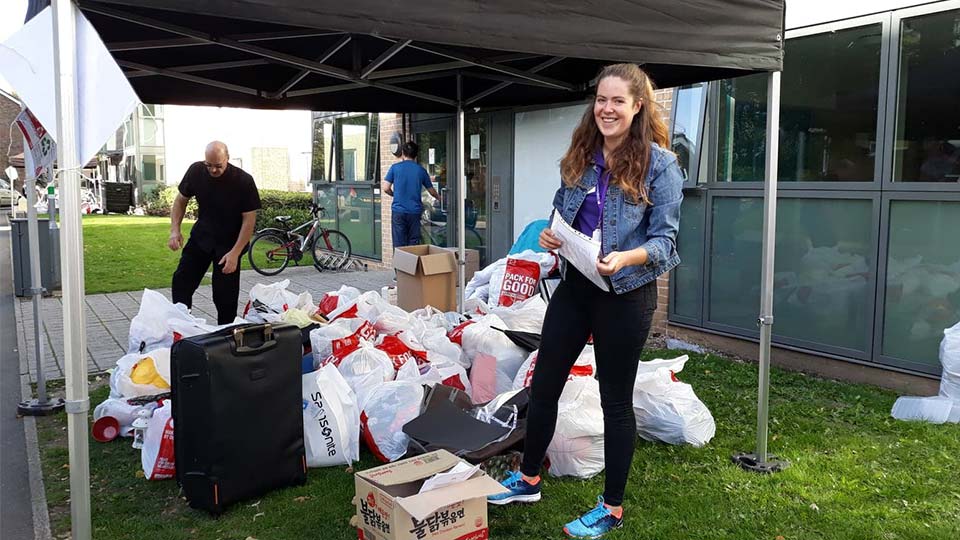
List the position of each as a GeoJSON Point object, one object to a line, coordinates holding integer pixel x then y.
{"type": "Point", "coordinates": [268, 341]}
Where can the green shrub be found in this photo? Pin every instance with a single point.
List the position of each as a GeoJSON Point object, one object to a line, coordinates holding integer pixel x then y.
{"type": "Point", "coordinates": [283, 203]}
{"type": "Point", "coordinates": [160, 201]}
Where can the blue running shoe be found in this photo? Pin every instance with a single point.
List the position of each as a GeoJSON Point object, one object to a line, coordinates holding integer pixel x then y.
{"type": "Point", "coordinates": [520, 491]}
{"type": "Point", "coordinates": [594, 524]}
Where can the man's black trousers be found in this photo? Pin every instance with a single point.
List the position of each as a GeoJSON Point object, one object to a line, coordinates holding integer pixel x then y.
{"type": "Point", "coordinates": [619, 325]}
{"type": "Point", "coordinates": [194, 263]}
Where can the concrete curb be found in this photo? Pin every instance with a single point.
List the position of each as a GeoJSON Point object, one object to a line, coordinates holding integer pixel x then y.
{"type": "Point", "coordinates": [38, 494]}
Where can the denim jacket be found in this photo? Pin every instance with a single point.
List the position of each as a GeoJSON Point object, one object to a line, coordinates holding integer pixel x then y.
{"type": "Point", "coordinates": [628, 225]}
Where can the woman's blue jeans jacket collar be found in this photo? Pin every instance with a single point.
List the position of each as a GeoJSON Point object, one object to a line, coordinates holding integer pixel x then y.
{"type": "Point", "coordinates": [627, 224]}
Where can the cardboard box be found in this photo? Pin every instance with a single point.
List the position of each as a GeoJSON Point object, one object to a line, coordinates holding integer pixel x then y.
{"type": "Point", "coordinates": [390, 507]}
{"type": "Point", "coordinates": [426, 275]}
{"type": "Point", "coordinates": [473, 262]}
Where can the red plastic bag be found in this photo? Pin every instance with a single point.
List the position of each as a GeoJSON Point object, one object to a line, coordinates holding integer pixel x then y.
{"type": "Point", "coordinates": [399, 352]}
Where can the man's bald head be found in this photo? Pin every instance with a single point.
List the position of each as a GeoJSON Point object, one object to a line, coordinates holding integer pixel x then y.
{"type": "Point", "coordinates": [216, 158]}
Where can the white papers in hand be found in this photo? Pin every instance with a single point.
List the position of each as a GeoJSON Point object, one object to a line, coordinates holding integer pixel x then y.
{"type": "Point", "coordinates": [461, 472]}
{"type": "Point", "coordinates": [579, 250]}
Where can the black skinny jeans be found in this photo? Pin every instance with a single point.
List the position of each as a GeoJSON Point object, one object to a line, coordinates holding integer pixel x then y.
{"type": "Point", "coordinates": [620, 325]}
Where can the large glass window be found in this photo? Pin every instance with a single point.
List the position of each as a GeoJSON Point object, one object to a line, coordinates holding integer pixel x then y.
{"type": "Point", "coordinates": [153, 169]}
{"type": "Point", "coordinates": [824, 266]}
{"type": "Point", "coordinates": [688, 103]}
{"type": "Point", "coordinates": [923, 280]}
{"type": "Point", "coordinates": [741, 128]}
{"type": "Point", "coordinates": [688, 275]}
{"type": "Point", "coordinates": [927, 140]}
{"type": "Point", "coordinates": [828, 109]}
{"type": "Point", "coordinates": [828, 112]}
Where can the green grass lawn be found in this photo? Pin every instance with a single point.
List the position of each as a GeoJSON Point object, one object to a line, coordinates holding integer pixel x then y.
{"type": "Point", "coordinates": [129, 253]}
{"type": "Point", "coordinates": [856, 474]}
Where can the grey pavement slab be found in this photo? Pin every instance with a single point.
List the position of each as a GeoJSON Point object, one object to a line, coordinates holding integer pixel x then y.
{"type": "Point", "coordinates": [108, 315]}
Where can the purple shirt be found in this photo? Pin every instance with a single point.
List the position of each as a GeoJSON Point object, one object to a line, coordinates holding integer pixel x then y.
{"type": "Point", "coordinates": [591, 211]}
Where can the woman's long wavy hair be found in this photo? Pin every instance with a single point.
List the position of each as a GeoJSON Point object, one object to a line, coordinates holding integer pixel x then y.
{"type": "Point", "coordinates": [629, 162]}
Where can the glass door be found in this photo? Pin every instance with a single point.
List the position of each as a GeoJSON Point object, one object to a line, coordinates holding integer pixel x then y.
{"type": "Point", "coordinates": [434, 158]}
{"type": "Point", "coordinates": [476, 162]}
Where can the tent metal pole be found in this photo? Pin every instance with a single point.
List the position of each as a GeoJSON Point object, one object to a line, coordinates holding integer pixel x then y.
{"type": "Point", "coordinates": [461, 200]}
{"type": "Point", "coordinates": [71, 248]}
{"type": "Point", "coordinates": [765, 320]}
{"type": "Point", "coordinates": [760, 460]}
{"type": "Point", "coordinates": [42, 405]}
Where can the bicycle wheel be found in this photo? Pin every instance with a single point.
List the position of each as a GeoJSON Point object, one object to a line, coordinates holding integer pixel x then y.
{"type": "Point", "coordinates": [331, 250]}
{"type": "Point", "coordinates": [269, 252]}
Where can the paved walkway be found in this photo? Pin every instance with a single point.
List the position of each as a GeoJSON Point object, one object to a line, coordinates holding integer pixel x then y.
{"type": "Point", "coordinates": [108, 315]}
{"type": "Point", "coordinates": [16, 511]}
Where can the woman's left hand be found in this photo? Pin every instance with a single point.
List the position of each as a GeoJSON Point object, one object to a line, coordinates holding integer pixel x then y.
{"type": "Point", "coordinates": [613, 263]}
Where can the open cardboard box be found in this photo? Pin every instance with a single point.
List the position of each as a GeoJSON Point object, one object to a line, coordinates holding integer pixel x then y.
{"type": "Point", "coordinates": [390, 507]}
{"type": "Point", "coordinates": [426, 275]}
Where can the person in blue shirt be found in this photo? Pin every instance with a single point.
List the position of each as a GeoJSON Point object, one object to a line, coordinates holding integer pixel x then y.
{"type": "Point", "coordinates": [404, 182]}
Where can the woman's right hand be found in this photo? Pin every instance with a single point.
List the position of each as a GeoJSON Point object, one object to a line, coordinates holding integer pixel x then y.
{"type": "Point", "coordinates": [549, 241]}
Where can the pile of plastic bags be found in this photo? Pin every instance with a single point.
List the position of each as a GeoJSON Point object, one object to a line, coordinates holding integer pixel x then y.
{"type": "Point", "coordinates": [369, 368]}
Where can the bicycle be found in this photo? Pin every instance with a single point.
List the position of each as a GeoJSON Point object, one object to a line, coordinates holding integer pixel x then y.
{"type": "Point", "coordinates": [271, 249]}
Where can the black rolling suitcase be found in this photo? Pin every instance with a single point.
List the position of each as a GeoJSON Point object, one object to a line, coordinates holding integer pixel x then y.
{"type": "Point", "coordinates": [237, 414]}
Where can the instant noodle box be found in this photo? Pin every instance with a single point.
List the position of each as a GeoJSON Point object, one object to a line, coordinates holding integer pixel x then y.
{"type": "Point", "coordinates": [390, 506]}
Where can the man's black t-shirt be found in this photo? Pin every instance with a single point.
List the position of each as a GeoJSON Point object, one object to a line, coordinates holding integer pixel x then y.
{"type": "Point", "coordinates": [221, 202]}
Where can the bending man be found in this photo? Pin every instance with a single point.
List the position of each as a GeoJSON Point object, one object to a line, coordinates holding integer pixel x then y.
{"type": "Point", "coordinates": [227, 201]}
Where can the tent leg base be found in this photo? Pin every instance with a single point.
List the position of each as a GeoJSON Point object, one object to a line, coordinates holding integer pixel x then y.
{"type": "Point", "coordinates": [749, 462]}
{"type": "Point", "coordinates": [34, 407]}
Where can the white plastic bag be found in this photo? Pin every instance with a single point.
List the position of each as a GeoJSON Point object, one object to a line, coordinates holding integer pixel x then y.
{"type": "Point", "coordinates": [138, 375]}
{"type": "Point", "coordinates": [585, 366]}
{"type": "Point", "coordinates": [525, 316]}
{"type": "Point", "coordinates": [386, 410]}
{"type": "Point", "coordinates": [124, 412]}
{"type": "Point", "coordinates": [401, 348]}
{"type": "Point", "coordinates": [332, 300]}
{"type": "Point", "coordinates": [668, 410]}
{"type": "Point", "coordinates": [331, 419]}
{"type": "Point", "coordinates": [434, 318]}
{"type": "Point", "coordinates": [336, 340]}
{"type": "Point", "coordinates": [369, 305]}
{"type": "Point", "coordinates": [273, 297]}
{"type": "Point", "coordinates": [150, 328]}
{"type": "Point", "coordinates": [453, 375]}
{"type": "Point", "coordinates": [157, 456]}
{"type": "Point", "coordinates": [950, 360]}
{"type": "Point", "coordinates": [577, 445]}
{"type": "Point", "coordinates": [494, 359]}
{"type": "Point", "coordinates": [366, 368]}
{"type": "Point", "coordinates": [436, 342]}
{"type": "Point", "coordinates": [936, 409]}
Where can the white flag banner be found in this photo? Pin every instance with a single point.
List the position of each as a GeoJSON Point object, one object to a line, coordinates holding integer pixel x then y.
{"type": "Point", "coordinates": [39, 148]}
{"type": "Point", "coordinates": [104, 96]}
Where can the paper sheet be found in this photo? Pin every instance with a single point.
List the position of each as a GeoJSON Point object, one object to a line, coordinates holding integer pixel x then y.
{"type": "Point", "coordinates": [579, 250]}
{"type": "Point", "coordinates": [461, 472]}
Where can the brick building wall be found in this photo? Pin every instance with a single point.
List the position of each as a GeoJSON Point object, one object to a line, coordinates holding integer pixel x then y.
{"type": "Point", "coordinates": [664, 100]}
{"type": "Point", "coordinates": [390, 123]}
{"type": "Point", "coordinates": [9, 110]}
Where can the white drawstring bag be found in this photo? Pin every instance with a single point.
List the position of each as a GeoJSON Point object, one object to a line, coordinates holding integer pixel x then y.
{"type": "Point", "coordinates": [577, 446]}
{"type": "Point", "coordinates": [668, 410]}
{"type": "Point", "coordinates": [331, 419]}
